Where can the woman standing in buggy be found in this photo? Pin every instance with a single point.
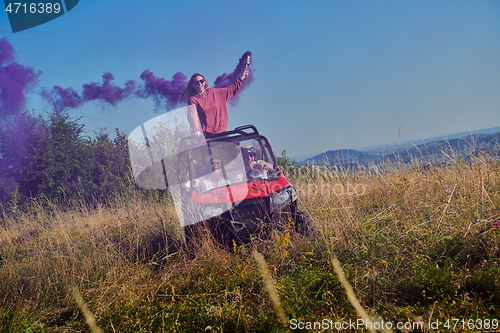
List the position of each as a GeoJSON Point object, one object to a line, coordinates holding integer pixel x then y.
{"type": "Point", "coordinates": [207, 109]}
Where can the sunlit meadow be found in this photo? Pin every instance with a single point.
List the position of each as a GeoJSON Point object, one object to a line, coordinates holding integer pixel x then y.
{"type": "Point", "coordinates": [417, 243]}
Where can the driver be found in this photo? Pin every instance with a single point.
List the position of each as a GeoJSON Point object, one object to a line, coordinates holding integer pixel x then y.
{"type": "Point", "coordinates": [213, 179]}
{"type": "Point", "coordinates": [254, 168]}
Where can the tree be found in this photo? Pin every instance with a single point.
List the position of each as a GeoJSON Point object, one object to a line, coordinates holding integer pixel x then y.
{"type": "Point", "coordinates": [50, 159]}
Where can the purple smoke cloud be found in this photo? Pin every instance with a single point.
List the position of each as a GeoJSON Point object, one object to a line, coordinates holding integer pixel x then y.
{"type": "Point", "coordinates": [107, 91]}
{"type": "Point", "coordinates": [63, 98]}
{"type": "Point", "coordinates": [162, 90]}
{"type": "Point", "coordinates": [15, 81]}
{"type": "Point", "coordinates": [6, 51]}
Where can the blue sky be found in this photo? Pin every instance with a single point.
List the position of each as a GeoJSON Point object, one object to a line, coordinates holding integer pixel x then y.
{"type": "Point", "coordinates": [328, 74]}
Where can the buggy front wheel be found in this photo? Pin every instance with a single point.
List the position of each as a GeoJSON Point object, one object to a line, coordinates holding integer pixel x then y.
{"type": "Point", "coordinates": [303, 223]}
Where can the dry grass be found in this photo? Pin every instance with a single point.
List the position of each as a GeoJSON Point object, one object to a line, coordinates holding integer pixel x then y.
{"type": "Point", "coordinates": [415, 243]}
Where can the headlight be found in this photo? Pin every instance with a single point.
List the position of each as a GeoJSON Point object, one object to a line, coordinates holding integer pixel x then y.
{"type": "Point", "coordinates": [280, 199]}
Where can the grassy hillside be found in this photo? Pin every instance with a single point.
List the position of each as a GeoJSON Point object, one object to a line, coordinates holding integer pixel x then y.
{"type": "Point", "coordinates": [417, 246]}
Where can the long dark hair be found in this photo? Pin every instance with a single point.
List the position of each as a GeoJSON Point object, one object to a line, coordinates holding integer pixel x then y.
{"type": "Point", "coordinates": [190, 91]}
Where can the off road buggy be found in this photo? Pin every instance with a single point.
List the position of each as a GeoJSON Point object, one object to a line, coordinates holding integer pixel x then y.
{"type": "Point", "coordinates": [211, 180]}
{"type": "Point", "coordinates": [222, 192]}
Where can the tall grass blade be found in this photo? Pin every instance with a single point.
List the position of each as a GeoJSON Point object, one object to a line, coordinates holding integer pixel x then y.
{"type": "Point", "coordinates": [270, 286]}
{"type": "Point", "coordinates": [89, 317]}
{"type": "Point", "coordinates": [351, 296]}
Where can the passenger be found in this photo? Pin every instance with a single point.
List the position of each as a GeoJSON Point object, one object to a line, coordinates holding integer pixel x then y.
{"type": "Point", "coordinates": [253, 168]}
{"type": "Point", "coordinates": [207, 109]}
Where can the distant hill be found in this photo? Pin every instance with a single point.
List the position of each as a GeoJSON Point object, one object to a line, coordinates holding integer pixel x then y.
{"type": "Point", "coordinates": [413, 143]}
{"type": "Point", "coordinates": [435, 151]}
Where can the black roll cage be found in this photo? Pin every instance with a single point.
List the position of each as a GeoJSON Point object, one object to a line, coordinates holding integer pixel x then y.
{"type": "Point", "coordinates": [241, 133]}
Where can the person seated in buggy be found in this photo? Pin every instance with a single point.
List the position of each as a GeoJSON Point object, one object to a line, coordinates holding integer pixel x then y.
{"type": "Point", "coordinates": [212, 180]}
{"type": "Point", "coordinates": [255, 168]}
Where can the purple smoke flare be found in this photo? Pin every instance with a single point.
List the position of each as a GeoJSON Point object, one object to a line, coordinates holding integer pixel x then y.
{"type": "Point", "coordinates": [225, 80]}
{"type": "Point", "coordinates": [164, 92]}
{"type": "Point", "coordinates": [15, 81]}
{"type": "Point", "coordinates": [63, 98]}
{"type": "Point", "coordinates": [161, 89]}
{"type": "Point", "coordinates": [107, 91]}
{"type": "Point", "coordinates": [66, 98]}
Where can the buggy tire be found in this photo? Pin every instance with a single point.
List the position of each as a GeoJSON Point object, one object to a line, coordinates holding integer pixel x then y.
{"type": "Point", "coordinates": [303, 223]}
